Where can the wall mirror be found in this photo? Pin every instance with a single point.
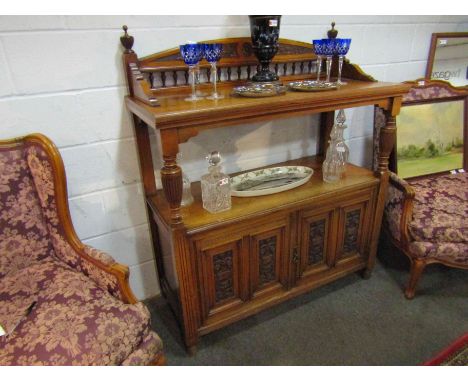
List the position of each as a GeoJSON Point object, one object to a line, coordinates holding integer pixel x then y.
{"type": "Point", "coordinates": [448, 58]}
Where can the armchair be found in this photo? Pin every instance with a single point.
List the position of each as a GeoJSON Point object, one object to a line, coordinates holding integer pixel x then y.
{"type": "Point", "coordinates": [63, 302]}
{"type": "Point", "coordinates": [427, 216]}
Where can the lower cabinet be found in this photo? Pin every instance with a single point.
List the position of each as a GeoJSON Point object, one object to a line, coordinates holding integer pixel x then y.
{"type": "Point", "coordinates": [259, 259]}
{"type": "Point", "coordinates": [334, 234]}
{"type": "Point", "coordinates": [242, 263]}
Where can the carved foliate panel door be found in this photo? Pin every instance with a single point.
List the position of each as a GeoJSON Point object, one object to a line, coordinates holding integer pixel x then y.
{"type": "Point", "coordinates": [354, 228]}
{"type": "Point", "coordinates": [316, 241]}
{"type": "Point", "coordinates": [268, 253]}
{"type": "Point", "coordinates": [220, 276]}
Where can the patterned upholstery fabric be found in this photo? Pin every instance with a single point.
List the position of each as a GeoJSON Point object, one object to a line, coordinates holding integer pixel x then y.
{"type": "Point", "coordinates": [456, 253]}
{"type": "Point", "coordinates": [59, 307]}
{"type": "Point", "coordinates": [394, 206]}
{"type": "Point", "coordinates": [42, 174]}
{"type": "Point", "coordinates": [438, 227]}
{"type": "Point", "coordinates": [24, 239]}
{"type": "Point", "coordinates": [145, 354]}
{"type": "Point", "coordinates": [441, 209]}
{"type": "Point", "coordinates": [74, 322]}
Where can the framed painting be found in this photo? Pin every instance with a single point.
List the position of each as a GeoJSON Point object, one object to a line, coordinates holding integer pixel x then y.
{"type": "Point", "coordinates": [432, 130]}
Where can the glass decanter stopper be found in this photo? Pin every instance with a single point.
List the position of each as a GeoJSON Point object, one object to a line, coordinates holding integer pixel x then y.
{"type": "Point", "coordinates": [187, 197]}
{"type": "Point", "coordinates": [334, 164]}
{"type": "Point", "coordinates": [216, 186]}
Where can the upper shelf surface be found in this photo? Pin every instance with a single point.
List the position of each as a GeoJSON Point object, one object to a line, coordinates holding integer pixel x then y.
{"type": "Point", "coordinates": [175, 112]}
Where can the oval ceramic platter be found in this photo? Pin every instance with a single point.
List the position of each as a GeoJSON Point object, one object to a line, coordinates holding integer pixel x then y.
{"type": "Point", "coordinates": [269, 180]}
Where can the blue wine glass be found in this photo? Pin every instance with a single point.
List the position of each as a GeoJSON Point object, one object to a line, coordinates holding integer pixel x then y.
{"type": "Point", "coordinates": [318, 50]}
{"type": "Point", "coordinates": [341, 49]}
{"type": "Point", "coordinates": [192, 54]}
{"type": "Point", "coordinates": [329, 50]}
{"type": "Point", "coordinates": [213, 55]}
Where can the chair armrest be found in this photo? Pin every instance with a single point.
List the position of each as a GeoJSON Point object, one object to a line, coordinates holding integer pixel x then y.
{"type": "Point", "coordinates": [107, 273]}
{"type": "Point", "coordinates": [399, 208]}
{"type": "Point", "coordinates": [97, 265]}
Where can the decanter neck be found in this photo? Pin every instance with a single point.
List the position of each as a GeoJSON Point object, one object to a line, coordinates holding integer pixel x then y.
{"type": "Point", "coordinates": [337, 132]}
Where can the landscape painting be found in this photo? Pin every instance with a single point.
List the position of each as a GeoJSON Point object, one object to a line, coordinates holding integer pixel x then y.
{"type": "Point", "coordinates": [430, 138]}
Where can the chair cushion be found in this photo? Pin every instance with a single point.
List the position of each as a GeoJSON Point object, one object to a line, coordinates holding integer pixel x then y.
{"type": "Point", "coordinates": [440, 209]}
{"type": "Point", "coordinates": [455, 254]}
{"type": "Point", "coordinates": [150, 348]}
{"type": "Point", "coordinates": [74, 322]}
{"type": "Point", "coordinates": [18, 292]}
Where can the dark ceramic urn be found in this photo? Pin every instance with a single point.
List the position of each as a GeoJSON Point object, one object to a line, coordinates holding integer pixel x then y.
{"type": "Point", "coordinates": [264, 31]}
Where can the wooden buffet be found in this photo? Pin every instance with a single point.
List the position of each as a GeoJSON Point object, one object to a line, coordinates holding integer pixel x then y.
{"type": "Point", "coordinates": [215, 269]}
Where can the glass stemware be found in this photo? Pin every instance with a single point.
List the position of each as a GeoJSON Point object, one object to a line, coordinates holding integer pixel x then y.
{"type": "Point", "coordinates": [192, 54]}
{"type": "Point", "coordinates": [329, 51]}
{"type": "Point", "coordinates": [341, 49]}
{"type": "Point", "coordinates": [199, 93]}
{"type": "Point", "coordinates": [213, 55]}
{"type": "Point", "coordinates": [318, 50]}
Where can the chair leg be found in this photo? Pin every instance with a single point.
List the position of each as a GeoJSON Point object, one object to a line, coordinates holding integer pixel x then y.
{"type": "Point", "coordinates": [417, 267]}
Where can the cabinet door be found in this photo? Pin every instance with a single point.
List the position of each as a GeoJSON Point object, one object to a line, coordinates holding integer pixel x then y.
{"type": "Point", "coordinates": [242, 262]}
{"type": "Point", "coordinates": [354, 224]}
{"type": "Point", "coordinates": [316, 240]}
{"type": "Point", "coordinates": [268, 261]}
{"type": "Point", "coordinates": [220, 277]}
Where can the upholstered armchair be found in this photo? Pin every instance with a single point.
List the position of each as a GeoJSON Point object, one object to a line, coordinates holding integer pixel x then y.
{"type": "Point", "coordinates": [62, 302]}
{"type": "Point", "coordinates": [427, 217]}
{"type": "Point", "coordinates": [428, 220]}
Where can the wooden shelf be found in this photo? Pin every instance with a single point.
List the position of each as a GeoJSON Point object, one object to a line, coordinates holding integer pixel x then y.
{"type": "Point", "coordinates": [196, 218]}
{"type": "Point", "coordinates": [175, 112]}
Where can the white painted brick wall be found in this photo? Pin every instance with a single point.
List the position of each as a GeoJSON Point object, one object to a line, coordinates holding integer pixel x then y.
{"type": "Point", "coordinates": [62, 76]}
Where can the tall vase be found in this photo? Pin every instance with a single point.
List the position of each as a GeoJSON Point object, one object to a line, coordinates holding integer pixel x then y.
{"type": "Point", "coordinates": [264, 31]}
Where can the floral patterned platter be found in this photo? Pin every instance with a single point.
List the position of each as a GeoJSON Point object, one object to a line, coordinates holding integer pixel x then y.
{"type": "Point", "coordinates": [312, 86]}
{"type": "Point", "coordinates": [269, 180]}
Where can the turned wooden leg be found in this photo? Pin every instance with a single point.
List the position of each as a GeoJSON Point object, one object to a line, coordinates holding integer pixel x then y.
{"type": "Point", "coordinates": [171, 178]}
{"type": "Point", "coordinates": [386, 142]}
{"type": "Point", "coordinates": [191, 350]}
{"type": "Point", "coordinates": [417, 267]}
{"type": "Point", "coordinates": [387, 136]}
{"type": "Point", "coordinates": [366, 273]}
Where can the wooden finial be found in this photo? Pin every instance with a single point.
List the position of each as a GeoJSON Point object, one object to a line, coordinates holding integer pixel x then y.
{"type": "Point", "coordinates": [126, 40]}
{"type": "Point", "coordinates": [332, 33]}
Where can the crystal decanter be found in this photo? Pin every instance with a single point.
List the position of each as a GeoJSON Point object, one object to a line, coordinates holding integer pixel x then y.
{"type": "Point", "coordinates": [334, 164]}
{"type": "Point", "coordinates": [216, 186]}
